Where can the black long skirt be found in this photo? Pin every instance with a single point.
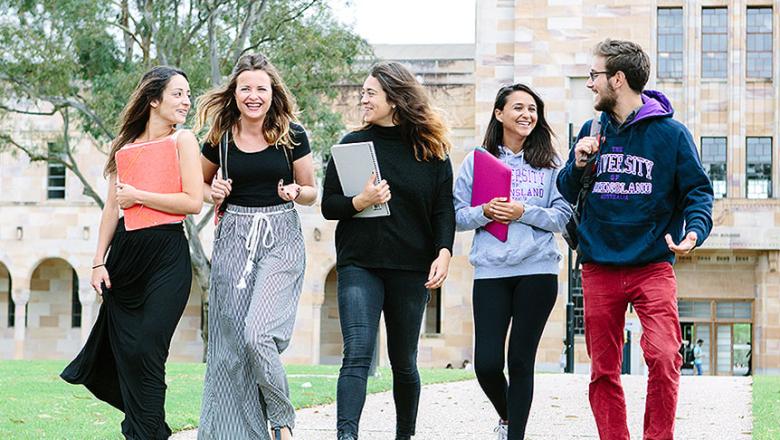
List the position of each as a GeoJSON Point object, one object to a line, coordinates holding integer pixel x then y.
{"type": "Point", "coordinates": [123, 361]}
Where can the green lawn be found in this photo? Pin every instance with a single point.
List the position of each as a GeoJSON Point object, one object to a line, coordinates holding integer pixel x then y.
{"type": "Point", "coordinates": [766, 407]}
{"type": "Point", "coordinates": [36, 404]}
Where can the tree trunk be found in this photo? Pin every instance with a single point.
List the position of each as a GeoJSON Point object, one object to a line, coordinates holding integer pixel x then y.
{"type": "Point", "coordinates": [213, 56]}
{"type": "Point", "coordinates": [201, 268]}
{"type": "Point", "coordinates": [124, 19]}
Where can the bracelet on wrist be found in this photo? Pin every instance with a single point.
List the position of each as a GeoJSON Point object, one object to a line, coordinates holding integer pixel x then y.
{"type": "Point", "coordinates": [98, 265]}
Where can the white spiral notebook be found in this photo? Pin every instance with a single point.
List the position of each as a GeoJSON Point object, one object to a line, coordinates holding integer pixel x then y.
{"type": "Point", "coordinates": [354, 164]}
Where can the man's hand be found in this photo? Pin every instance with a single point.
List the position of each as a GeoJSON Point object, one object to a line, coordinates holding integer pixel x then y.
{"type": "Point", "coordinates": [585, 147]}
{"type": "Point", "coordinates": [685, 246]}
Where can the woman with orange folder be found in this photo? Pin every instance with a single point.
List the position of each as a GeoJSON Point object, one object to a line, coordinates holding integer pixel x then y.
{"type": "Point", "coordinates": [387, 264]}
{"type": "Point", "coordinates": [515, 281]}
{"type": "Point", "coordinates": [259, 257]}
{"type": "Point", "coordinates": [145, 279]}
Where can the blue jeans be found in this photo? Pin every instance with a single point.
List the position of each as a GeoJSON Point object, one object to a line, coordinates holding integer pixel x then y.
{"type": "Point", "coordinates": [363, 295]}
{"type": "Point", "coordinates": [698, 369]}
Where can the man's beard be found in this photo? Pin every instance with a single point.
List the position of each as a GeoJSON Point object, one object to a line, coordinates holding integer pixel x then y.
{"type": "Point", "coordinates": [607, 100]}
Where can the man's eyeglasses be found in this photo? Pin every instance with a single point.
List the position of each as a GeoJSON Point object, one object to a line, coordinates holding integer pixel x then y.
{"type": "Point", "coordinates": [593, 75]}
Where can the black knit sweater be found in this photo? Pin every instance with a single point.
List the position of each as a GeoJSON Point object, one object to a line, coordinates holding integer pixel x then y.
{"type": "Point", "coordinates": [422, 218]}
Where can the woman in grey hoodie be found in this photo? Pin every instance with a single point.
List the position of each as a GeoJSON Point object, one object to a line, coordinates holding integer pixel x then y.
{"type": "Point", "coordinates": [514, 281]}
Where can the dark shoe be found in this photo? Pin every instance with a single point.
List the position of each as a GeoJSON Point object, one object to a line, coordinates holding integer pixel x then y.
{"type": "Point", "coordinates": [403, 437]}
{"type": "Point", "coordinates": [346, 436]}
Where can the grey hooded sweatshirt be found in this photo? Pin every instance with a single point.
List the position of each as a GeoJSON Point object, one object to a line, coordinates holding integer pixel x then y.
{"type": "Point", "coordinates": [530, 247]}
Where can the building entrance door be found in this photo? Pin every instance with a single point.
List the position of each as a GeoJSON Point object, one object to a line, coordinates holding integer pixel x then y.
{"type": "Point", "coordinates": [726, 329]}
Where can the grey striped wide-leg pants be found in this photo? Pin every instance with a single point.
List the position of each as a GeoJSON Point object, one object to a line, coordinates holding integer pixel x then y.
{"type": "Point", "coordinates": [256, 280]}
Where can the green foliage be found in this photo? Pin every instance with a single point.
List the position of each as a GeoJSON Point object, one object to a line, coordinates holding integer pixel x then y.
{"type": "Point", "coordinates": [313, 59]}
{"type": "Point", "coordinates": [91, 53]}
{"type": "Point", "coordinates": [766, 407]}
{"type": "Point", "coordinates": [38, 404]}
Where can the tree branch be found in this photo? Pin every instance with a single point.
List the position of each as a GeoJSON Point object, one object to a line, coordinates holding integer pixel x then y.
{"type": "Point", "coordinates": [202, 19]}
{"type": "Point", "coordinates": [27, 112]}
{"type": "Point", "coordinates": [60, 101]}
{"type": "Point", "coordinates": [147, 13]}
{"type": "Point", "coordinates": [74, 168]}
{"type": "Point", "coordinates": [128, 33]}
{"type": "Point", "coordinates": [205, 220]}
{"type": "Point", "coordinates": [252, 14]}
{"type": "Point", "coordinates": [213, 56]}
{"type": "Point", "coordinates": [34, 157]}
{"type": "Point", "coordinates": [293, 17]}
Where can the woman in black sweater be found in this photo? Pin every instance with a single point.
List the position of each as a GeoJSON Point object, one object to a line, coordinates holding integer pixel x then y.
{"type": "Point", "coordinates": [387, 264]}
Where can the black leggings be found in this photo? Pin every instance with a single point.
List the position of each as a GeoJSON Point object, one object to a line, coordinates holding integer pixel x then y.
{"type": "Point", "coordinates": [526, 301]}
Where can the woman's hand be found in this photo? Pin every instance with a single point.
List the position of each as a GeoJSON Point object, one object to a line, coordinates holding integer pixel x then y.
{"type": "Point", "coordinates": [439, 270]}
{"type": "Point", "coordinates": [126, 195]}
{"type": "Point", "coordinates": [220, 189]}
{"type": "Point", "coordinates": [372, 194]}
{"type": "Point", "coordinates": [503, 211]}
{"type": "Point", "coordinates": [99, 276]}
{"type": "Point", "coordinates": [288, 193]}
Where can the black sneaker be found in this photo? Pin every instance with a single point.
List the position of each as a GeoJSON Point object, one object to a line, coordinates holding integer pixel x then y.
{"type": "Point", "coordinates": [346, 436]}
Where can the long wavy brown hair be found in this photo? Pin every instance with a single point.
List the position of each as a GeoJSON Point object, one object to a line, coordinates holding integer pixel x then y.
{"type": "Point", "coordinates": [420, 124]}
{"type": "Point", "coordinates": [218, 109]}
{"type": "Point", "coordinates": [135, 115]}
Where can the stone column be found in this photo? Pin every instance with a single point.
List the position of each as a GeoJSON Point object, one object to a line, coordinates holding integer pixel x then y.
{"type": "Point", "coordinates": [766, 315]}
{"type": "Point", "coordinates": [318, 300]}
{"type": "Point", "coordinates": [87, 298]}
{"type": "Point", "coordinates": [21, 297]}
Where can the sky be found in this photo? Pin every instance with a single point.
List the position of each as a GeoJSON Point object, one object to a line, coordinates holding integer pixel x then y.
{"type": "Point", "coordinates": [409, 21]}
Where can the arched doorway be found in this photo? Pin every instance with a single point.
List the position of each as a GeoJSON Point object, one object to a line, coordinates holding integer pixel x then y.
{"type": "Point", "coordinates": [53, 312]}
{"type": "Point", "coordinates": [331, 342]}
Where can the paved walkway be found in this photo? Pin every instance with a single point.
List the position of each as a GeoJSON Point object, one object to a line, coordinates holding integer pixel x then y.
{"type": "Point", "coordinates": [709, 408]}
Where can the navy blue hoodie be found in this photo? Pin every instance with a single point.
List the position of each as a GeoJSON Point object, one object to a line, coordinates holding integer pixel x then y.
{"type": "Point", "coordinates": [649, 182]}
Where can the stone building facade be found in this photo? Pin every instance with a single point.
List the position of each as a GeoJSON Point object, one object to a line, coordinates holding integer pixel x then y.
{"type": "Point", "coordinates": [729, 290]}
{"type": "Point", "coordinates": [718, 62]}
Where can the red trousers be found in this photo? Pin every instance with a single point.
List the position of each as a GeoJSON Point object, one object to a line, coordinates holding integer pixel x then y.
{"type": "Point", "coordinates": [652, 289]}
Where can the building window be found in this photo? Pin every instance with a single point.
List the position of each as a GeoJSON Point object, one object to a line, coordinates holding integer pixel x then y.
{"type": "Point", "coordinates": [75, 309]}
{"type": "Point", "coordinates": [713, 158]}
{"type": "Point", "coordinates": [759, 43]}
{"type": "Point", "coordinates": [734, 310]}
{"type": "Point", "coordinates": [759, 167]}
{"type": "Point", "coordinates": [694, 309]}
{"type": "Point", "coordinates": [670, 43]}
{"type": "Point", "coordinates": [55, 184]}
{"type": "Point", "coordinates": [433, 313]}
{"type": "Point", "coordinates": [714, 42]}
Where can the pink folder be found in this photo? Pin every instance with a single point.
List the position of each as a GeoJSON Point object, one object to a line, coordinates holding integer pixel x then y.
{"type": "Point", "coordinates": [492, 178]}
{"type": "Point", "coordinates": [151, 166]}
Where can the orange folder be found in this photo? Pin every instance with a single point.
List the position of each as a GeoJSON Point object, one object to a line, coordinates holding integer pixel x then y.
{"type": "Point", "coordinates": [150, 166]}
